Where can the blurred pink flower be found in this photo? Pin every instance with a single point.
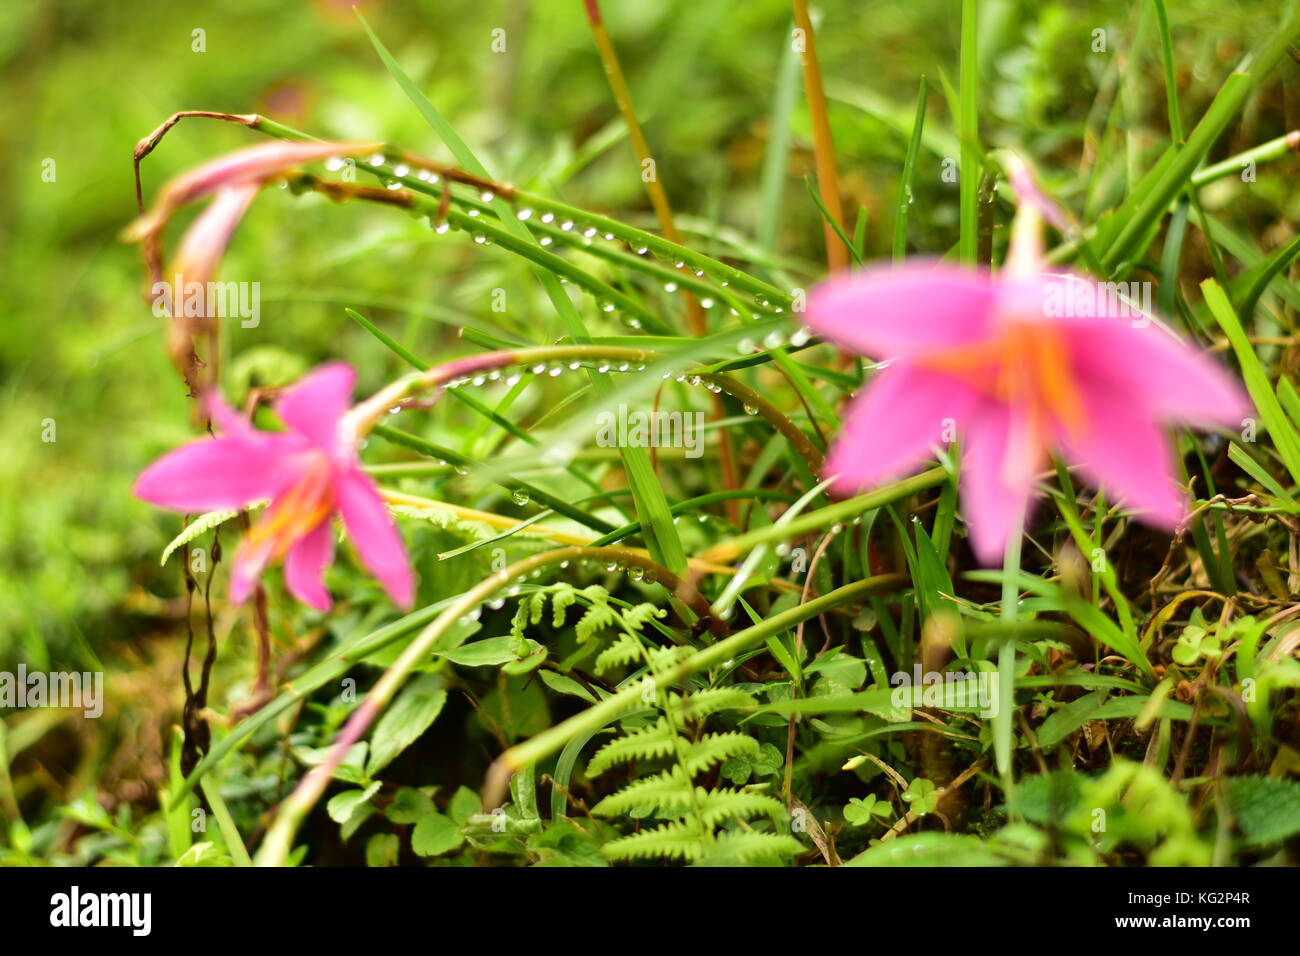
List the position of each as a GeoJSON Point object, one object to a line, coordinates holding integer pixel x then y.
{"type": "Point", "coordinates": [1023, 364]}
{"type": "Point", "coordinates": [308, 473]}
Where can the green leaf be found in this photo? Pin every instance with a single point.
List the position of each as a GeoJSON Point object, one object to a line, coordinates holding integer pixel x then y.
{"type": "Point", "coordinates": [922, 795]}
{"type": "Point", "coordinates": [436, 834]}
{"type": "Point", "coordinates": [1267, 808]}
{"type": "Point", "coordinates": [489, 652]}
{"type": "Point", "coordinates": [382, 850]}
{"type": "Point", "coordinates": [409, 805]}
{"type": "Point", "coordinates": [929, 849]}
{"type": "Point", "coordinates": [342, 805]}
{"type": "Point", "coordinates": [464, 804]}
{"type": "Point", "coordinates": [410, 715]}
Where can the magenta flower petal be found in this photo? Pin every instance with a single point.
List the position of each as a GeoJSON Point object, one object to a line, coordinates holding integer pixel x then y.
{"type": "Point", "coordinates": [893, 424]}
{"type": "Point", "coordinates": [995, 491]}
{"type": "Point", "coordinates": [891, 312]}
{"type": "Point", "coordinates": [313, 406]}
{"type": "Point", "coordinates": [1172, 381]}
{"type": "Point", "coordinates": [214, 473]}
{"type": "Point", "coordinates": [305, 564]}
{"type": "Point", "coordinates": [1123, 451]}
{"type": "Point", "coordinates": [374, 535]}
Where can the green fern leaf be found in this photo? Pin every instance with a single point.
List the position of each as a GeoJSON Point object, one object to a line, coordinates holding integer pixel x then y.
{"type": "Point", "coordinates": [679, 840]}
{"type": "Point", "coordinates": [201, 525]}
{"type": "Point", "coordinates": [668, 790]}
{"type": "Point", "coordinates": [625, 650]}
{"type": "Point", "coordinates": [711, 700]}
{"type": "Point", "coordinates": [714, 748]}
{"type": "Point", "coordinates": [656, 740]}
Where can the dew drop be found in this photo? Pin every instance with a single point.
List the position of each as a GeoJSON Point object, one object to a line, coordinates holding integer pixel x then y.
{"type": "Point", "coordinates": [751, 410]}
{"type": "Point", "coordinates": [334, 163]}
{"type": "Point", "coordinates": [546, 240]}
{"type": "Point", "coordinates": [487, 195]}
{"type": "Point", "coordinates": [670, 286]}
{"type": "Point", "coordinates": [548, 217]}
{"type": "Point", "coordinates": [377, 159]}
{"type": "Point", "coordinates": [773, 340]}
{"type": "Point", "coordinates": [524, 215]}
{"type": "Point", "coordinates": [519, 496]}
{"type": "Point", "coordinates": [401, 169]}
{"type": "Point", "coordinates": [393, 185]}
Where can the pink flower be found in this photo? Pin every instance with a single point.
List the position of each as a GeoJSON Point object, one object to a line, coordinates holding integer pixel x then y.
{"type": "Point", "coordinates": [308, 473]}
{"type": "Point", "coordinates": [1022, 364]}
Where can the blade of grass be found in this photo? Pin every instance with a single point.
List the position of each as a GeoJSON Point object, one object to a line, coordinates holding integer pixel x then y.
{"type": "Point", "coordinates": [648, 495]}
{"type": "Point", "coordinates": [968, 133]}
{"type": "Point", "coordinates": [909, 175]}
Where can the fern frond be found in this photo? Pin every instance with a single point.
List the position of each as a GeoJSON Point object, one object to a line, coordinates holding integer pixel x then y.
{"type": "Point", "coordinates": [679, 840]}
{"type": "Point", "coordinates": [711, 700]}
{"type": "Point", "coordinates": [656, 740]}
{"type": "Point", "coordinates": [596, 618]}
{"type": "Point", "coordinates": [625, 650]}
{"type": "Point", "coordinates": [637, 616]}
{"type": "Point", "coordinates": [716, 806]}
{"type": "Point", "coordinates": [668, 790]}
{"type": "Point", "coordinates": [743, 847]}
{"type": "Point", "coordinates": [665, 657]}
{"type": "Point", "coordinates": [714, 748]}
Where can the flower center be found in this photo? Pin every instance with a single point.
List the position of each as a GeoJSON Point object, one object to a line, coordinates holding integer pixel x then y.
{"type": "Point", "coordinates": [296, 512]}
{"type": "Point", "coordinates": [1026, 365]}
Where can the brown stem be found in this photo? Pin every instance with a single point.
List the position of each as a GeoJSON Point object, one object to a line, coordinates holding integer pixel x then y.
{"type": "Point", "coordinates": [837, 257]}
